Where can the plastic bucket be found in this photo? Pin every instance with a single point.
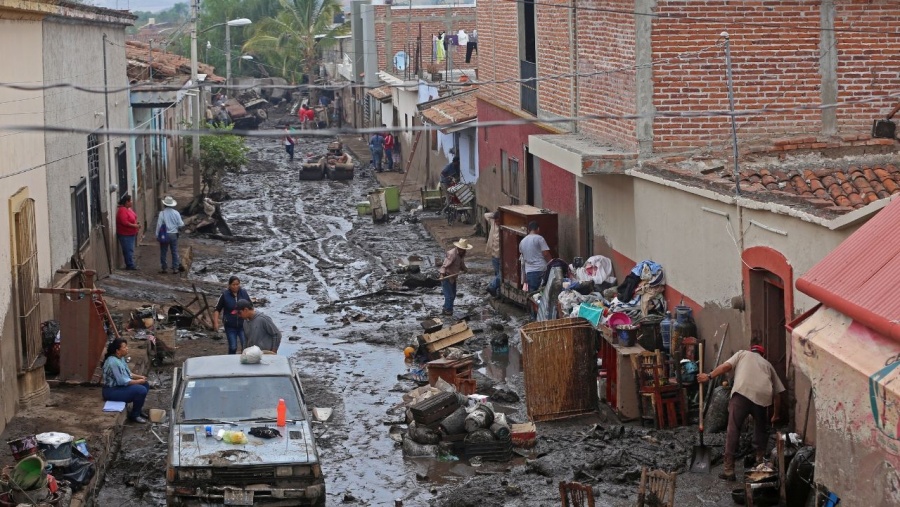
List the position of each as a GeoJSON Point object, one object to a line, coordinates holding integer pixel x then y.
{"type": "Point", "coordinates": [23, 447]}
{"type": "Point", "coordinates": [627, 334]}
{"type": "Point", "coordinates": [56, 447]}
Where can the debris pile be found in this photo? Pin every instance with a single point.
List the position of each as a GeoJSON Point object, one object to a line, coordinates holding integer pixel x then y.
{"type": "Point", "coordinates": [442, 422]}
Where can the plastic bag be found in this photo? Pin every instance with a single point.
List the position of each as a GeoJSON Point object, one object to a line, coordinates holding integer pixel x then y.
{"type": "Point", "coordinates": [78, 473]}
{"type": "Point", "coordinates": [234, 437]}
{"type": "Point", "coordinates": [251, 355]}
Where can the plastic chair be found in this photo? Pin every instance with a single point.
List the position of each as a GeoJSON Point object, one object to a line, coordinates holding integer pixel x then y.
{"type": "Point", "coordinates": [657, 488]}
{"type": "Point", "coordinates": [575, 494]}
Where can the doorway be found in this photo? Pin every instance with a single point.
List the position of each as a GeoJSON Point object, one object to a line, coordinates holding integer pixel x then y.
{"type": "Point", "coordinates": [586, 219]}
{"type": "Point", "coordinates": [122, 169]}
{"type": "Point", "coordinates": [767, 321]}
{"type": "Point", "coordinates": [530, 187]}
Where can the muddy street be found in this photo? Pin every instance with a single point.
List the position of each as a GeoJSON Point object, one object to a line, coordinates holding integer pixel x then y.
{"type": "Point", "coordinates": [329, 279]}
{"type": "Point", "coordinates": [313, 264]}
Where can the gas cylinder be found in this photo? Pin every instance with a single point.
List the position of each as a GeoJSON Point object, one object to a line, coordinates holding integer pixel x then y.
{"type": "Point", "coordinates": [665, 328]}
{"type": "Point", "coordinates": [683, 327]}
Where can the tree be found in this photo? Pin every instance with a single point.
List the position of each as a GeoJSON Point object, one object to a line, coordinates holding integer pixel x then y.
{"type": "Point", "coordinates": [292, 40]}
{"type": "Point", "coordinates": [220, 11]}
{"type": "Point", "coordinates": [219, 153]}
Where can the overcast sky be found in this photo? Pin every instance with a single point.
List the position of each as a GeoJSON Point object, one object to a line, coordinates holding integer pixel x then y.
{"type": "Point", "coordinates": [136, 5]}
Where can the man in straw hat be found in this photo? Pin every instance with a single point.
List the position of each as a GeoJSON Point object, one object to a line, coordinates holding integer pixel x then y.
{"type": "Point", "coordinates": [169, 218]}
{"type": "Point", "coordinates": [454, 264]}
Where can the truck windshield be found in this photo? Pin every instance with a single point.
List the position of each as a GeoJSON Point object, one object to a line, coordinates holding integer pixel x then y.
{"type": "Point", "coordinates": [238, 398]}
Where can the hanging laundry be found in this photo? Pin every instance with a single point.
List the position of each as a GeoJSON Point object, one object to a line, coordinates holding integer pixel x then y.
{"type": "Point", "coordinates": [440, 48]}
{"type": "Point", "coordinates": [462, 37]}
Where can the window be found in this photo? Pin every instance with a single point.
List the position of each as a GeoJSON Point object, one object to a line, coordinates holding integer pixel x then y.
{"type": "Point", "coordinates": [509, 177]}
{"type": "Point", "coordinates": [93, 153]}
{"type": "Point", "coordinates": [528, 56]}
{"type": "Point", "coordinates": [80, 205]}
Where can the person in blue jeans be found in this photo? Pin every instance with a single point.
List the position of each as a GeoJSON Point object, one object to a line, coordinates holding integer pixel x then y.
{"type": "Point", "coordinates": [454, 264]}
{"type": "Point", "coordinates": [233, 323]}
{"type": "Point", "coordinates": [119, 384]}
{"type": "Point", "coordinates": [376, 146]}
{"type": "Point", "coordinates": [171, 218]}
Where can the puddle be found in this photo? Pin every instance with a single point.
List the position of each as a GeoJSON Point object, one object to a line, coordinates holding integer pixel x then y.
{"type": "Point", "coordinates": [501, 366]}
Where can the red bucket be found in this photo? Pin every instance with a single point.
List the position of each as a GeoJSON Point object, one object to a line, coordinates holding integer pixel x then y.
{"type": "Point", "coordinates": [23, 447]}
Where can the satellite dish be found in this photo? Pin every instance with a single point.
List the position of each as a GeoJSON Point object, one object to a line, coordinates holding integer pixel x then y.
{"type": "Point", "coordinates": [401, 60]}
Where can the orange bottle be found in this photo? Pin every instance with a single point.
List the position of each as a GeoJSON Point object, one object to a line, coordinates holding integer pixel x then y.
{"type": "Point", "coordinates": [282, 412]}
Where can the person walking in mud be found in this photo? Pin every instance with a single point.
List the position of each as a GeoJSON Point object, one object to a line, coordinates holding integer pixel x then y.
{"type": "Point", "coordinates": [167, 226]}
{"type": "Point", "coordinates": [289, 143]}
{"type": "Point", "coordinates": [388, 149]}
{"type": "Point", "coordinates": [756, 387]}
{"type": "Point", "coordinates": [227, 307]}
{"type": "Point", "coordinates": [258, 327]}
{"type": "Point", "coordinates": [376, 146]}
{"type": "Point", "coordinates": [307, 117]}
{"type": "Point", "coordinates": [127, 229]}
{"type": "Point", "coordinates": [454, 264]}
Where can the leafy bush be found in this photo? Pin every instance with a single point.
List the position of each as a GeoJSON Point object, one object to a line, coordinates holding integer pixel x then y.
{"type": "Point", "coordinates": [219, 153]}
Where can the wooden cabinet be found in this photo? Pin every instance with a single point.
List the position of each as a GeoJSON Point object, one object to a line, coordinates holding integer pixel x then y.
{"type": "Point", "coordinates": [513, 227]}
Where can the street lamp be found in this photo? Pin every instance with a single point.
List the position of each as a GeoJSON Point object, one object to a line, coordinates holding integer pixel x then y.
{"type": "Point", "coordinates": [195, 139]}
{"type": "Point", "coordinates": [228, 25]}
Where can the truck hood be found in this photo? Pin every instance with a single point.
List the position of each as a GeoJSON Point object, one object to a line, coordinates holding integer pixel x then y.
{"type": "Point", "coordinates": [192, 448]}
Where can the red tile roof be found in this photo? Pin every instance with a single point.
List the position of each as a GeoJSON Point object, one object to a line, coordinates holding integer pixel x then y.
{"type": "Point", "coordinates": [165, 65]}
{"type": "Point", "coordinates": [381, 93]}
{"type": "Point", "coordinates": [850, 188]}
{"type": "Point", "coordinates": [860, 277]}
{"type": "Point", "coordinates": [452, 111]}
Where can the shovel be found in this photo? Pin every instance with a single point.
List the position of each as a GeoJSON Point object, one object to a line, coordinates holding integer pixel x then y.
{"type": "Point", "coordinates": [701, 456]}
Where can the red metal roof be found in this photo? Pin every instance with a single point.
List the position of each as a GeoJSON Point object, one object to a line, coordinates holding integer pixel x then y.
{"type": "Point", "coordinates": [860, 277]}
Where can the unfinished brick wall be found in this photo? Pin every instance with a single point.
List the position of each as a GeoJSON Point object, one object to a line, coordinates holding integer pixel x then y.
{"type": "Point", "coordinates": [397, 29]}
{"type": "Point", "coordinates": [498, 41]}
{"type": "Point", "coordinates": [606, 47]}
{"type": "Point", "coordinates": [777, 62]}
{"type": "Point", "coordinates": [869, 63]}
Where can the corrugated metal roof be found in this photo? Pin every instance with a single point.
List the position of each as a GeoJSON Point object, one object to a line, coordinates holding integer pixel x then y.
{"type": "Point", "coordinates": [860, 277]}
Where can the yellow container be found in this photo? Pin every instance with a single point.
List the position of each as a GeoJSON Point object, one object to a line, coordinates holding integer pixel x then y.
{"type": "Point", "coordinates": [364, 208]}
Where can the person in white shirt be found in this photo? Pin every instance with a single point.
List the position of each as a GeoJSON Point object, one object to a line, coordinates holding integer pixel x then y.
{"type": "Point", "coordinates": [171, 219]}
{"type": "Point", "coordinates": [535, 256]}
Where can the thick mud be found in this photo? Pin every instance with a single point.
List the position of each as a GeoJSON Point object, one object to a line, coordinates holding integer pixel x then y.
{"type": "Point", "coordinates": [329, 279]}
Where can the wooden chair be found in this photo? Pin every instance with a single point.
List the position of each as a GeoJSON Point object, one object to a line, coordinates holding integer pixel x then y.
{"type": "Point", "coordinates": [575, 494]}
{"type": "Point", "coordinates": [657, 489]}
{"type": "Point", "coordinates": [660, 401]}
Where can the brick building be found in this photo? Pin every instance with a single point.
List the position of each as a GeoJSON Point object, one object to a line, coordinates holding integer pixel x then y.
{"type": "Point", "coordinates": [649, 173]}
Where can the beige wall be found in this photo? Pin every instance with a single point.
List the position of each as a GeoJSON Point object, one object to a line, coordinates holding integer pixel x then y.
{"type": "Point", "coordinates": [21, 170]}
{"type": "Point", "coordinates": [636, 219]}
{"type": "Point", "coordinates": [77, 56]}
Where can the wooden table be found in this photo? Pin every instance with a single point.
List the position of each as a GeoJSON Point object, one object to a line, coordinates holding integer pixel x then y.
{"type": "Point", "coordinates": [621, 390]}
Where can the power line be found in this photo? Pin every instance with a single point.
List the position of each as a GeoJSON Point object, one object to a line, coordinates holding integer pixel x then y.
{"type": "Point", "coordinates": [144, 86]}
{"type": "Point", "coordinates": [713, 113]}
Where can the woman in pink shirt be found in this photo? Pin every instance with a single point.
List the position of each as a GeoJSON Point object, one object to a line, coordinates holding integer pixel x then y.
{"type": "Point", "coordinates": [127, 228]}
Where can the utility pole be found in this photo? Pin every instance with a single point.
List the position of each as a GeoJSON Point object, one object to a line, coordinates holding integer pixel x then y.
{"type": "Point", "coordinates": [195, 124]}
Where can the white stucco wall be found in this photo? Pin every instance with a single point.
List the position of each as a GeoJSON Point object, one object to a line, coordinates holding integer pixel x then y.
{"type": "Point", "coordinates": [77, 56]}
{"type": "Point", "coordinates": [406, 110]}
{"type": "Point", "coordinates": [21, 169]}
{"type": "Point", "coordinates": [387, 113]}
